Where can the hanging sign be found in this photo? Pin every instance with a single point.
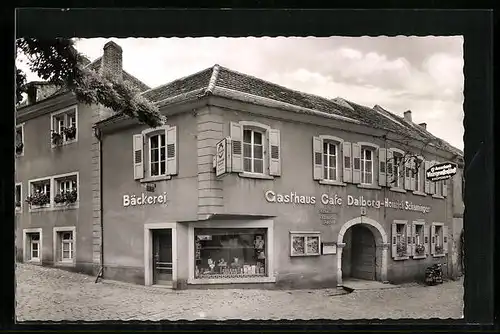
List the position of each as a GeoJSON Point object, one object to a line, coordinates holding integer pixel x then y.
{"type": "Point", "coordinates": [221, 157]}
{"type": "Point", "coordinates": [442, 171]}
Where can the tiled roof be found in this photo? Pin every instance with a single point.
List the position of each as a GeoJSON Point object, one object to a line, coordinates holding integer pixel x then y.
{"type": "Point", "coordinates": [218, 77]}
{"type": "Point", "coordinates": [141, 86]}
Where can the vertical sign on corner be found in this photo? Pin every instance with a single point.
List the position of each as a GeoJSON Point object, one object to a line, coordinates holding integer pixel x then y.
{"type": "Point", "coordinates": [221, 158]}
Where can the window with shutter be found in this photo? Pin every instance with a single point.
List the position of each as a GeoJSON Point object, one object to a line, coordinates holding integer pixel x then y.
{"type": "Point", "coordinates": [407, 174]}
{"type": "Point", "coordinates": [367, 155]}
{"type": "Point", "coordinates": [356, 163]}
{"type": "Point", "coordinates": [19, 149]}
{"type": "Point", "coordinates": [328, 163]}
{"type": "Point", "coordinates": [172, 142]}
{"type": "Point", "coordinates": [426, 240]}
{"type": "Point", "coordinates": [317, 158]}
{"type": "Point", "coordinates": [275, 149]}
{"type": "Point", "coordinates": [138, 157]}
{"type": "Point", "coordinates": [419, 240]}
{"type": "Point", "coordinates": [382, 171]}
{"type": "Point", "coordinates": [401, 240]}
{"type": "Point", "coordinates": [64, 126]}
{"type": "Point", "coordinates": [347, 154]}
{"type": "Point", "coordinates": [439, 242]}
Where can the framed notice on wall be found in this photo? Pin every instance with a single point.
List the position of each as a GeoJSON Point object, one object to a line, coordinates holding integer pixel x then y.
{"type": "Point", "coordinates": [328, 248]}
{"type": "Point", "coordinates": [221, 157]}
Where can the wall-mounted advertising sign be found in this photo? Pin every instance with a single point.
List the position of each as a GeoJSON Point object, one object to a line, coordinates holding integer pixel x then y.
{"type": "Point", "coordinates": [221, 157]}
{"type": "Point", "coordinates": [336, 200]}
{"type": "Point", "coordinates": [144, 199]}
{"type": "Point", "coordinates": [441, 172]}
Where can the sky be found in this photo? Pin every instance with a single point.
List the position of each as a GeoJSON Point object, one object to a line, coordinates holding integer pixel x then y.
{"type": "Point", "coordinates": [421, 74]}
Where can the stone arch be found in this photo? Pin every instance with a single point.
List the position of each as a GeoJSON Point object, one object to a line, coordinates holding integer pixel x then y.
{"type": "Point", "coordinates": [381, 240]}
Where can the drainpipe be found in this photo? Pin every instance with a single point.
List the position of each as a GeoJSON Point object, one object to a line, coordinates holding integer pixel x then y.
{"type": "Point", "coordinates": [98, 135]}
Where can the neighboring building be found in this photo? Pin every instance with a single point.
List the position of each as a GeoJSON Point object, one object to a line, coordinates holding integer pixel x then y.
{"type": "Point", "coordinates": [313, 191]}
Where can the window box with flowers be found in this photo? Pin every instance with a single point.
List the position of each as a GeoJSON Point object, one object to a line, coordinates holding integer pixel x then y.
{"type": "Point", "coordinates": [400, 240]}
{"type": "Point", "coordinates": [420, 240]}
{"type": "Point", "coordinates": [66, 195]}
{"type": "Point", "coordinates": [439, 239]}
{"type": "Point", "coordinates": [69, 132]}
{"type": "Point", "coordinates": [64, 127]}
{"type": "Point", "coordinates": [40, 194]}
{"type": "Point", "coordinates": [57, 138]}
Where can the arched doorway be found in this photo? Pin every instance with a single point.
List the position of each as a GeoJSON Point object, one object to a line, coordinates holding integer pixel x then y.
{"type": "Point", "coordinates": [362, 250]}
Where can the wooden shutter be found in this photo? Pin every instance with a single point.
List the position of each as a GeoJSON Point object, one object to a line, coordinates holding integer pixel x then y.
{"type": "Point", "coordinates": [413, 238]}
{"type": "Point", "coordinates": [356, 163]}
{"type": "Point", "coordinates": [407, 174]}
{"type": "Point", "coordinates": [138, 148]}
{"type": "Point", "coordinates": [393, 243]}
{"type": "Point", "coordinates": [433, 239]}
{"type": "Point", "coordinates": [445, 187]}
{"type": "Point", "coordinates": [171, 135]}
{"type": "Point", "coordinates": [432, 185]}
{"type": "Point", "coordinates": [426, 240]}
{"type": "Point", "coordinates": [427, 183]}
{"type": "Point", "coordinates": [347, 161]}
{"type": "Point", "coordinates": [445, 239]}
{"type": "Point", "coordinates": [382, 167]}
{"type": "Point", "coordinates": [390, 168]}
{"type": "Point", "coordinates": [274, 152]}
{"type": "Point", "coordinates": [236, 133]}
{"type": "Point", "coordinates": [413, 166]}
{"type": "Point", "coordinates": [317, 158]}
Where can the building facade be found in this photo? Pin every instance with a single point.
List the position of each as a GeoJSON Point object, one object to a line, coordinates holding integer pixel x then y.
{"type": "Point", "coordinates": [304, 192]}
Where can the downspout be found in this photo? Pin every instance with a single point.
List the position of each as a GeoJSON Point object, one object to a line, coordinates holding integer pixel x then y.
{"type": "Point", "coordinates": [98, 135]}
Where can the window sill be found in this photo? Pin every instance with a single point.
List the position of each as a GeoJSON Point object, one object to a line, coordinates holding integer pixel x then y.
{"type": "Point", "coordinates": [256, 176]}
{"type": "Point", "coordinates": [155, 178]}
{"type": "Point", "coordinates": [304, 255]}
{"type": "Point", "coordinates": [61, 207]}
{"type": "Point", "coordinates": [231, 280]}
{"type": "Point", "coordinates": [65, 263]}
{"type": "Point", "coordinates": [40, 209]}
{"type": "Point", "coordinates": [34, 261]}
{"type": "Point", "coordinates": [419, 193]}
{"type": "Point", "coordinates": [332, 183]}
{"type": "Point", "coordinates": [418, 257]}
{"type": "Point", "coordinates": [18, 211]}
{"type": "Point", "coordinates": [19, 155]}
{"type": "Point", "coordinates": [439, 255]}
{"type": "Point", "coordinates": [437, 196]}
{"type": "Point", "coordinates": [400, 258]}
{"type": "Point", "coordinates": [67, 142]}
{"type": "Point", "coordinates": [398, 190]}
{"type": "Point", "coordinates": [369, 186]}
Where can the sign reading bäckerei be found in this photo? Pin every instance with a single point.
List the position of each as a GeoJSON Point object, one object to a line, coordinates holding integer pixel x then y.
{"type": "Point", "coordinates": [441, 172]}
{"type": "Point", "coordinates": [144, 199]}
{"type": "Point", "coordinates": [336, 200]}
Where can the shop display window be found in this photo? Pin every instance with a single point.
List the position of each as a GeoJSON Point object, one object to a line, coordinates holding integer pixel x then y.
{"type": "Point", "coordinates": [230, 253]}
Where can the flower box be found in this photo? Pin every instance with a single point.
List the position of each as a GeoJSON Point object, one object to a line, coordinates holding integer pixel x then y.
{"type": "Point", "coordinates": [401, 249]}
{"type": "Point", "coordinates": [420, 249]}
{"type": "Point", "coordinates": [38, 199]}
{"type": "Point", "coordinates": [70, 132]}
{"type": "Point", "coordinates": [57, 138]}
{"type": "Point", "coordinates": [439, 249]}
{"type": "Point", "coordinates": [68, 197]}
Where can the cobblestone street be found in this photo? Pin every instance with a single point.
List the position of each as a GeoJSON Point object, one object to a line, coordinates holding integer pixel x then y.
{"type": "Point", "coordinates": [53, 294]}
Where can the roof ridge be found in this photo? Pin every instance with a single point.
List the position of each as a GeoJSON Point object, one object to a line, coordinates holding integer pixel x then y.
{"type": "Point", "coordinates": [213, 79]}
{"type": "Point", "coordinates": [281, 86]}
{"type": "Point", "coordinates": [176, 80]}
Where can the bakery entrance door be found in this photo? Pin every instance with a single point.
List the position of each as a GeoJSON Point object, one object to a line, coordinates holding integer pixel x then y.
{"type": "Point", "coordinates": [162, 257]}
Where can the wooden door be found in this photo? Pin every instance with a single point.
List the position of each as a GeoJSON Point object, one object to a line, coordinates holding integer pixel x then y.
{"type": "Point", "coordinates": [162, 257]}
{"type": "Point", "coordinates": [363, 253]}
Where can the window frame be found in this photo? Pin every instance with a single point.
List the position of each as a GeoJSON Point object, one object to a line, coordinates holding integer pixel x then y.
{"type": "Point", "coordinates": [146, 135]}
{"type": "Point", "coordinates": [305, 235]}
{"type": "Point", "coordinates": [20, 208]}
{"type": "Point", "coordinates": [264, 223]}
{"type": "Point", "coordinates": [252, 144]}
{"type": "Point", "coordinates": [375, 168]}
{"type": "Point", "coordinates": [31, 192]}
{"type": "Point", "coordinates": [58, 178]}
{"type": "Point", "coordinates": [396, 256]}
{"type": "Point", "coordinates": [338, 142]}
{"type": "Point", "coordinates": [20, 126]}
{"type": "Point", "coordinates": [27, 234]}
{"type": "Point", "coordinates": [420, 185]}
{"type": "Point", "coordinates": [438, 185]}
{"type": "Point", "coordinates": [65, 112]}
{"type": "Point", "coordinates": [414, 241]}
{"type": "Point", "coordinates": [58, 245]}
{"type": "Point", "coordinates": [438, 236]}
{"type": "Point", "coordinates": [400, 187]}
{"type": "Point", "coordinates": [264, 129]}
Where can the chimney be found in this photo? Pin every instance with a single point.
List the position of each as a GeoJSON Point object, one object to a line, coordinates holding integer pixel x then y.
{"type": "Point", "coordinates": [31, 91]}
{"type": "Point", "coordinates": [424, 125]}
{"type": "Point", "coordinates": [407, 115]}
{"type": "Point", "coordinates": [111, 61]}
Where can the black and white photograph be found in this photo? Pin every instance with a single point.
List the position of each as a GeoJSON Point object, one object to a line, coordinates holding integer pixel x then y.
{"type": "Point", "coordinates": [218, 178]}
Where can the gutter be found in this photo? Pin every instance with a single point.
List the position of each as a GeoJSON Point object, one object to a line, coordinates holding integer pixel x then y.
{"type": "Point", "coordinates": [98, 135]}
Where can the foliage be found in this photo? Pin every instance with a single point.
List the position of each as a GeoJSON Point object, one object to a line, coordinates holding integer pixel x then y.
{"type": "Point", "coordinates": [59, 63]}
{"type": "Point", "coordinates": [439, 249]}
{"type": "Point", "coordinates": [20, 85]}
{"type": "Point", "coordinates": [38, 199]}
{"type": "Point", "coordinates": [401, 249]}
{"type": "Point", "coordinates": [70, 132]}
{"type": "Point", "coordinates": [420, 249]}
{"type": "Point", "coordinates": [66, 197]}
{"type": "Point", "coordinates": [56, 138]}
